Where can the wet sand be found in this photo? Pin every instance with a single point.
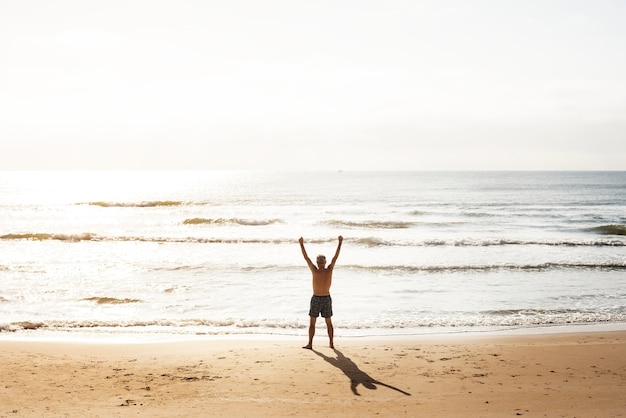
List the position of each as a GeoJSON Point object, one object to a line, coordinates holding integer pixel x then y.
{"type": "Point", "coordinates": [568, 374]}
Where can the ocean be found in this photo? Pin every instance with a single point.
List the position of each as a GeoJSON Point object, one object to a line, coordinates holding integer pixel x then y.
{"type": "Point", "coordinates": [178, 254]}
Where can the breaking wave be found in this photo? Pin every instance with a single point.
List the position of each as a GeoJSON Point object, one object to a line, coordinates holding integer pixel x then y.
{"type": "Point", "coordinates": [379, 242]}
{"type": "Point", "coordinates": [129, 238]}
{"type": "Point", "coordinates": [610, 229]}
{"type": "Point", "coordinates": [110, 301]}
{"type": "Point", "coordinates": [551, 243]}
{"type": "Point", "coordinates": [47, 236]}
{"type": "Point", "coordinates": [148, 204]}
{"type": "Point", "coordinates": [366, 241]}
{"type": "Point", "coordinates": [196, 326]}
{"type": "Point", "coordinates": [370, 224]}
{"type": "Point", "coordinates": [231, 221]}
{"type": "Point", "coordinates": [513, 318]}
{"type": "Point", "coordinates": [487, 267]}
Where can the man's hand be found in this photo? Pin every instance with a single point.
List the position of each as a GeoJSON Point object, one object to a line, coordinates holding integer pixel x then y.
{"type": "Point", "coordinates": [340, 238]}
{"type": "Point", "coordinates": [301, 240]}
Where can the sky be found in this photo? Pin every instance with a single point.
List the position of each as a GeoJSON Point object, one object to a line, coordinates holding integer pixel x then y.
{"type": "Point", "coordinates": [313, 85]}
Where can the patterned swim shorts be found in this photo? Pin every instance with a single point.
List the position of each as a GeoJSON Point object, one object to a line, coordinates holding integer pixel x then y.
{"type": "Point", "coordinates": [321, 304]}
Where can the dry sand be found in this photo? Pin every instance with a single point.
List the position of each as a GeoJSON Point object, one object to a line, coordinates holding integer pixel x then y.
{"type": "Point", "coordinates": [569, 375]}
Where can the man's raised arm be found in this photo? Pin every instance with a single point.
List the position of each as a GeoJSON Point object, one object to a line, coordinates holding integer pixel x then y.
{"type": "Point", "coordinates": [306, 257]}
{"type": "Point", "coordinates": [332, 263]}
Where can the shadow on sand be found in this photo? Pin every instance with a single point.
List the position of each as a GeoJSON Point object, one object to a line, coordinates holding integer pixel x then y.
{"type": "Point", "coordinates": [357, 376]}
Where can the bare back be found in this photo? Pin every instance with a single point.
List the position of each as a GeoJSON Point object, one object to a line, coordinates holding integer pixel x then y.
{"type": "Point", "coordinates": [322, 274]}
{"type": "Point", "coordinates": [322, 279]}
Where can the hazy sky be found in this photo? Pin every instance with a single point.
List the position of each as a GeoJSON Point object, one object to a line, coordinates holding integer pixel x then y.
{"type": "Point", "coordinates": [294, 84]}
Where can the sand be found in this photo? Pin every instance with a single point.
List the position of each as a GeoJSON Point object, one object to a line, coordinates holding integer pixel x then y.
{"type": "Point", "coordinates": [568, 374]}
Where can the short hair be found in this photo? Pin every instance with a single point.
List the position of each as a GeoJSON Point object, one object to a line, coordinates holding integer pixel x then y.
{"type": "Point", "coordinates": [321, 258]}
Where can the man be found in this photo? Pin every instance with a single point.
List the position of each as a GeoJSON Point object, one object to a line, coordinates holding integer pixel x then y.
{"type": "Point", "coordinates": [321, 303]}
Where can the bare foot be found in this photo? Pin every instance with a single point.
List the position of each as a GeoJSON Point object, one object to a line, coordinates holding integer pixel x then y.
{"type": "Point", "coordinates": [308, 347]}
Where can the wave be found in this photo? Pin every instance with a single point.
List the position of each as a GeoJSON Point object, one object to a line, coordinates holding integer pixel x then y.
{"type": "Point", "coordinates": [478, 214]}
{"type": "Point", "coordinates": [22, 325]}
{"type": "Point", "coordinates": [488, 267]}
{"type": "Point", "coordinates": [550, 243]}
{"type": "Point", "coordinates": [128, 238]}
{"type": "Point", "coordinates": [373, 242]}
{"type": "Point", "coordinates": [387, 224]}
{"type": "Point", "coordinates": [376, 242]}
{"type": "Point", "coordinates": [610, 229]}
{"type": "Point", "coordinates": [564, 316]}
{"type": "Point", "coordinates": [147, 204]}
{"type": "Point", "coordinates": [530, 312]}
{"type": "Point", "coordinates": [167, 325]}
{"type": "Point", "coordinates": [235, 221]}
{"type": "Point", "coordinates": [364, 241]}
{"type": "Point", "coordinates": [516, 318]}
{"type": "Point", "coordinates": [110, 301]}
{"type": "Point", "coordinates": [370, 224]}
{"type": "Point", "coordinates": [86, 236]}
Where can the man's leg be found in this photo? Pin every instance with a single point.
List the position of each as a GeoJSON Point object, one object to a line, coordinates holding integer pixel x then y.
{"type": "Point", "coordinates": [311, 332]}
{"type": "Point", "coordinates": [331, 331]}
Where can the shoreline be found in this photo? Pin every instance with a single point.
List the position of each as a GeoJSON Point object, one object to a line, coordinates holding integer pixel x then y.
{"type": "Point", "coordinates": [427, 333]}
{"type": "Point", "coordinates": [542, 374]}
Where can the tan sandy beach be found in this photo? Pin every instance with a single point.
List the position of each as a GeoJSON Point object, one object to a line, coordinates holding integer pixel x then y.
{"type": "Point", "coordinates": [569, 375]}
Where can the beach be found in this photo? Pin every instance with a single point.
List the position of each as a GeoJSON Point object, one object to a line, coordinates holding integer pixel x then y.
{"type": "Point", "coordinates": [165, 294]}
{"type": "Point", "coordinates": [562, 374]}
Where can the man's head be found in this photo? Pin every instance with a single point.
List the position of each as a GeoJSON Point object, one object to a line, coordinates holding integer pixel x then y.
{"type": "Point", "coordinates": [321, 261]}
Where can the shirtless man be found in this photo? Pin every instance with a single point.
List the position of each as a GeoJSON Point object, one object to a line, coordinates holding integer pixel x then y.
{"type": "Point", "coordinates": [321, 301]}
